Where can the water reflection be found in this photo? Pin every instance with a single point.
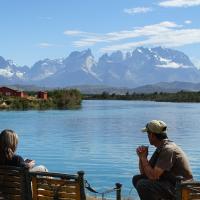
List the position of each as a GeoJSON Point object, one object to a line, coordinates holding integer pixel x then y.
{"type": "Point", "coordinates": [101, 137]}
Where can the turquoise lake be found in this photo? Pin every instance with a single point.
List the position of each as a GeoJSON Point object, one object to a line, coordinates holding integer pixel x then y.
{"type": "Point", "coordinates": [101, 138]}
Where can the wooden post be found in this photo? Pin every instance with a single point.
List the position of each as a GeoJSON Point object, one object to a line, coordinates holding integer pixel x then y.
{"type": "Point", "coordinates": [118, 191]}
{"type": "Point", "coordinates": [178, 188]}
{"type": "Point", "coordinates": [82, 185]}
{"type": "Point", "coordinates": [28, 184]}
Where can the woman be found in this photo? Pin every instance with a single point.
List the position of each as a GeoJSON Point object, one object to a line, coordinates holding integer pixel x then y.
{"type": "Point", "coordinates": [8, 146]}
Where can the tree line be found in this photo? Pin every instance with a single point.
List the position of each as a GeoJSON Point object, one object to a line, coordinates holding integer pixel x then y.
{"type": "Point", "coordinates": [181, 96]}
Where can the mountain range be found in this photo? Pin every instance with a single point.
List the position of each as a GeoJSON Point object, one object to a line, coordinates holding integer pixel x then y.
{"type": "Point", "coordinates": [140, 67]}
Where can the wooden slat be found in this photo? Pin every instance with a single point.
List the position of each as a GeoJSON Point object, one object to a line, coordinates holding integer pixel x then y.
{"type": "Point", "coordinates": [47, 188]}
{"type": "Point", "coordinates": [47, 185]}
{"type": "Point", "coordinates": [78, 192]}
{"type": "Point", "coordinates": [14, 184]}
{"type": "Point", "coordinates": [194, 196]}
{"type": "Point", "coordinates": [185, 194]}
{"type": "Point", "coordinates": [11, 184]}
{"type": "Point", "coordinates": [12, 178]}
{"type": "Point", "coordinates": [46, 193]}
{"type": "Point", "coordinates": [10, 197]}
{"type": "Point", "coordinates": [56, 181]}
{"type": "Point", "coordinates": [66, 190]}
{"type": "Point", "coordinates": [51, 198]}
{"type": "Point", "coordinates": [15, 191]}
{"type": "Point", "coordinates": [34, 188]}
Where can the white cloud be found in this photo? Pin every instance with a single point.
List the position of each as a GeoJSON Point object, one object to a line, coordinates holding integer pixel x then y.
{"type": "Point", "coordinates": [91, 38]}
{"type": "Point", "coordinates": [45, 45]}
{"type": "Point", "coordinates": [137, 10]}
{"type": "Point", "coordinates": [168, 34]}
{"type": "Point", "coordinates": [179, 3]}
{"type": "Point", "coordinates": [168, 38]}
{"type": "Point", "coordinates": [188, 22]}
{"type": "Point", "coordinates": [73, 32]}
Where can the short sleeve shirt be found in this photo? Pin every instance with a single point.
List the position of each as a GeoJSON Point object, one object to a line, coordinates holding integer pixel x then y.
{"type": "Point", "coordinates": [171, 158]}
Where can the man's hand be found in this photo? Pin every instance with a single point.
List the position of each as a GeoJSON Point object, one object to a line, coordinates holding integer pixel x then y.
{"type": "Point", "coordinates": [142, 151]}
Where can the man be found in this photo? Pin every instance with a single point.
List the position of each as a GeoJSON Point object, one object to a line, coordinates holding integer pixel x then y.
{"type": "Point", "coordinates": [158, 175]}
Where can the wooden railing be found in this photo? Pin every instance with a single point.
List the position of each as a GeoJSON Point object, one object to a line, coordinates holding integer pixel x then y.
{"type": "Point", "coordinates": [20, 184]}
{"type": "Point", "coordinates": [188, 190]}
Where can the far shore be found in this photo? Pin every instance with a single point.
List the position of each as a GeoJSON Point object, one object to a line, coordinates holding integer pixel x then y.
{"type": "Point", "coordinates": [179, 97]}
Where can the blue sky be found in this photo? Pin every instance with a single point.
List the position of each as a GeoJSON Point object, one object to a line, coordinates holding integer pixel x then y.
{"type": "Point", "coordinates": [36, 29]}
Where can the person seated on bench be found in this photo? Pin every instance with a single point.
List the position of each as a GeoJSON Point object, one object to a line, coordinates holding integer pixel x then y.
{"type": "Point", "coordinates": [8, 146]}
{"type": "Point", "coordinates": [158, 175]}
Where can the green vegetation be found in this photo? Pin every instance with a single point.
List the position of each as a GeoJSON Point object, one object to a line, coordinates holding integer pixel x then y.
{"type": "Point", "coordinates": [181, 96]}
{"type": "Point", "coordinates": [57, 99]}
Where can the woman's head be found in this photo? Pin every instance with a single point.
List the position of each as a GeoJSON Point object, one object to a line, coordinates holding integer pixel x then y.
{"type": "Point", "coordinates": [8, 145]}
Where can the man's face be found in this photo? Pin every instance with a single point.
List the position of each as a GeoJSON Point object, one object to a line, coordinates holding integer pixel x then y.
{"type": "Point", "coordinates": [150, 137]}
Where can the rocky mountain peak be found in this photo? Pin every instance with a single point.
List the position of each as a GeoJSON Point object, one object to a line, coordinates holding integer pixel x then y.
{"type": "Point", "coordinates": [141, 66]}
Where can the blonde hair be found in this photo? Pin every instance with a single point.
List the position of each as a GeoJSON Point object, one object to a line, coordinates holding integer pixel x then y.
{"type": "Point", "coordinates": [8, 145]}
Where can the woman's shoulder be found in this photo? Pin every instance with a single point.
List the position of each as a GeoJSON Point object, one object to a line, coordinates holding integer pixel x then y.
{"type": "Point", "coordinates": [18, 160]}
{"type": "Point", "coordinates": [17, 157]}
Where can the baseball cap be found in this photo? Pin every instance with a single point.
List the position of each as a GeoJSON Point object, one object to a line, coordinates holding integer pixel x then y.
{"type": "Point", "coordinates": [155, 126]}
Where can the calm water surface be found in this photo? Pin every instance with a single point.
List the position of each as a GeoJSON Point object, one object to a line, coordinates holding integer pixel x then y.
{"type": "Point", "coordinates": [101, 137]}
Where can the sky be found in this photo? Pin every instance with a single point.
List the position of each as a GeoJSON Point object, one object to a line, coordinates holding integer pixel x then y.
{"type": "Point", "coordinates": [32, 30]}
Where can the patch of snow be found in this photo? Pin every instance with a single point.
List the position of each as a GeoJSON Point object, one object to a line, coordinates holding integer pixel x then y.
{"type": "Point", "coordinates": [60, 60]}
{"type": "Point", "coordinates": [173, 65]}
{"type": "Point", "coordinates": [164, 60]}
{"type": "Point", "coordinates": [87, 67]}
{"type": "Point", "coordinates": [44, 64]}
{"type": "Point", "coordinates": [11, 62]}
{"type": "Point", "coordinates": [89, 63]}
{"type": "Point", "coordinates": [19, 74]}
{"type": "Point", "coordinates": [150, 50]}
{"type": "Point", "coordinates": [139, 50]}
{"type": "Point", "coordinates": [166, 63]}
{"type": "Point", "coordinates": [156, 56]}
{"type": "Point", "coordinates": [46, 73]}
{"type": "Point", "coordinates": [6, 72]}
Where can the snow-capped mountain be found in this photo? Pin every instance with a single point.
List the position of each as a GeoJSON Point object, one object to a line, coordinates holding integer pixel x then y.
{"type": "Point", "coordinates": [44, 69]}
{"type": "Point", "coordinates": [142, 66]}
{"type": "Point", "coordinates": [11, 73]}
{"type": "Point", "coordinates": [77, 71]}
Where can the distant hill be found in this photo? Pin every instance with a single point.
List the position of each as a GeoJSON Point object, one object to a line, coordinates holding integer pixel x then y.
{"type": "Point", "coordinates": [169, 87]}
{"type": "Point", "coordinates": [142, 66]}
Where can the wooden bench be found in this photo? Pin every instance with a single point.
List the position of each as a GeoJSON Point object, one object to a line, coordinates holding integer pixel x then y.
{"type": "Point", "coordinates": [20, 184]}
{"type": "Point", "coordinates": [13, 183]}
{"type": "Point", "coordinates": [188, 190]}
{"type": "Point", "coordinates": [56, 186]}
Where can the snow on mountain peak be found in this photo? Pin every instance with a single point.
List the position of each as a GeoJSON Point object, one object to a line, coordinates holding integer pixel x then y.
{"type": "Point", "coordinates": [87, 66]}
{"type": "Point", "coordinates": [167, 63]}
{"type": "Point", "coordinates": [19, 74]}
{"type": "Point", "coordinates": [114, 69]}
{"type": "Point", "coordinates": [6, 72]}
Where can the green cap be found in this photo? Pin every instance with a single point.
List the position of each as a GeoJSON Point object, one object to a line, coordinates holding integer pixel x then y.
{"type": "Point", "coordinates": [156, 126]}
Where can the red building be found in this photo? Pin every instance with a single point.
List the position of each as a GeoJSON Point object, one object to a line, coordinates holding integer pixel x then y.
{"type": "Point", "coordinates": [42, 95]}
{"type": "Point", "coordinates": [6, 91]}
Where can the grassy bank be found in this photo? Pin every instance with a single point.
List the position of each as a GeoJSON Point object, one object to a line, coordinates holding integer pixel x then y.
{"type": "Point", "coordinates": [57, 99]}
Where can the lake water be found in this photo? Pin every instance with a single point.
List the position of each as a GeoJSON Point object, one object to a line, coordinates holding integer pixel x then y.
{"type": "Point", "coordinates": [101, 137]}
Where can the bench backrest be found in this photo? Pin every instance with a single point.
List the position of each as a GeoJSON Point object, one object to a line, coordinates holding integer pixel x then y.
{"type": "Point", "coordinates": [14, 184]}
{"type": "Point", "coordinates": [56, 186]}
{"type": "Point", "coordinates": [188, 190]}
